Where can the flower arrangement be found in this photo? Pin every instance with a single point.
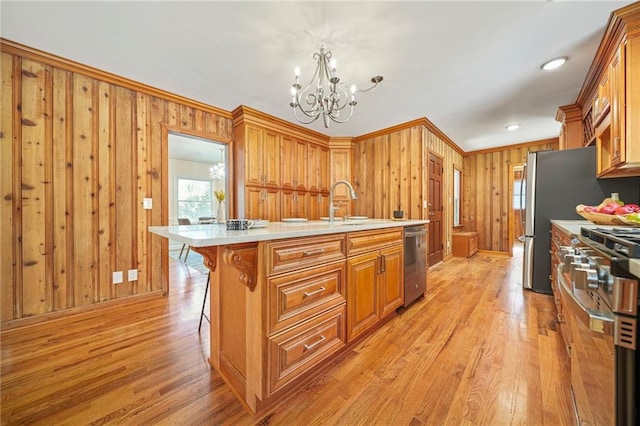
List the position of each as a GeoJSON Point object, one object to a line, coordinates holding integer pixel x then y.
{"type": "Point", "coordinates": [219, 195]}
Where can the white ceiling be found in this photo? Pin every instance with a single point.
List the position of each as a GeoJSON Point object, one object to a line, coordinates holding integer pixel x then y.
{"type": "Point", "coordinates": [471, 68]}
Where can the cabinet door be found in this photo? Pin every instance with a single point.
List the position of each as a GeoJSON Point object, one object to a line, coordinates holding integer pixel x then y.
{"type": "Point", "coordinates": [323, 169]}
{"type": "Point", "coordinates": [294, 204]}
{"type": "Point", "coordinates": [271, 205]}
{"type": "Point", "coordinates": [318, 206]}
{"type": "Point", "coordinates": [253, 203]}
{"type": "Point", "coordinates": [391, 280]}
{"type": "Point", "coordinates": [294, 164]}
{"type": "Point", "coordinates": [312, 170]}
{"type": "Point", "coordinates": [617, 76]}
{"type": "Point", "coordinates": [271, 158]}
{"type": "Point", "coordinates": [362, 298]}
{"type": "Point", "coordinates": [253, 171]}
{"type": "Point", "coordinates": [288, 164]}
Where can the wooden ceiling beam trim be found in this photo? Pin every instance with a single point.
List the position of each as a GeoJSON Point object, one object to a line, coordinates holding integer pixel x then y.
{"type": "Point", "coordinates": [508, 147]}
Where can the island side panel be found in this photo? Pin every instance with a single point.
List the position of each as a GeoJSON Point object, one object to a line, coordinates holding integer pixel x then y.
{"type": "Point", "coordinates": [236, 274]}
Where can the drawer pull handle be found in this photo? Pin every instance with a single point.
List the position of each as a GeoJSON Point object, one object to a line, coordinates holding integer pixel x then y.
{"type": "Point", "coordinates": [313, 252]}
{"type": "Point", "coordinates": [313, 345]}
{"type": "Point", "coordinates": [311, 293]}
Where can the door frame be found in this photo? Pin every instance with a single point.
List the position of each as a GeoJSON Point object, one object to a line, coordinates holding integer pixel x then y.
{"type": "Point", "coordinates": [512, 170]}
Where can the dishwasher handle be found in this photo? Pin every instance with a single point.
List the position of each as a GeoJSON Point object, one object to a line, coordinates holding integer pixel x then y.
{"type": "Point", "coordinates": [410, 234]}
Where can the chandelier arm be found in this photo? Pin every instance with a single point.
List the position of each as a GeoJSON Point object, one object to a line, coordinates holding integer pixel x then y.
{"type": "Point", "coordinates": [313, 118]}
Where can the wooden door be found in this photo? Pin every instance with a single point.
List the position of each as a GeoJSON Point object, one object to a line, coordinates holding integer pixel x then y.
{"type": "Point", "coordinates": [300, 166]}
{"type": "Point", "coordinates": [391, 280]}
{"type": "Point", "coordinates": [434, 209]}
{"type": "Point", "coordinates": [362, 298]}
{"type": "Point", "coordinates": [271, 205]}
{"type": "Point", "coordinates": [318, 206]}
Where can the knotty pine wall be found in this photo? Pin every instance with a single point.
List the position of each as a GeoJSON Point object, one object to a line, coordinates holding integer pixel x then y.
{"type": "Point", "coordinates": [487, 191]}
{"type": "Point", "coordinates": [391, 172]}
{"type": "Point", "coordinates": [80, 150]}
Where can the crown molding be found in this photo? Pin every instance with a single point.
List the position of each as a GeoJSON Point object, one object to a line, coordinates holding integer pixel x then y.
{"type": "Point", "coordinates": [622, 22]}
{"type": "Point", "coordinates": [516, 146]}
{"type": "Point", "coordinates": [424, 122]}
{"type": "Point", "coordinates": [11, 47]}
{"type": "Point", "coordinates": [245, 114]}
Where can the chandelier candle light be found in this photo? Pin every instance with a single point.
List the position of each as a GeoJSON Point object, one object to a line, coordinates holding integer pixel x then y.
{"type": "Point", "coordinates": [327, 97]}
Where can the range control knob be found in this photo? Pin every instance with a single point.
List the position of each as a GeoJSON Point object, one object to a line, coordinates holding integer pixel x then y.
{"type": "Point", "coordinates": [585, 278]}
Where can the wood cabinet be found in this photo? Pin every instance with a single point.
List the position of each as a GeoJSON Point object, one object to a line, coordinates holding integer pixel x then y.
{"type": "Point", "coordinates": [288, 164]}
{"type": "Point", "coordinates": [294, 164]}
{"type": "Point", "coordinates": [375, 283]}
{"type": "Point", "coordinates": [262, 203]}
{"type": "Point", "coordinates": [465, 244]}
{"type": "Point", "coordinates": [618, 131]}
{"type": "Point", "coordinates": [559, 239]}
{"type": "Point", "coordinates": [571, 132]}
{"type": "Point", "coordinates": [294, 204]}
{"type": "Point", "coordinates": [318, 168]}
{"type": "Point", "coordinates": [262, 156]}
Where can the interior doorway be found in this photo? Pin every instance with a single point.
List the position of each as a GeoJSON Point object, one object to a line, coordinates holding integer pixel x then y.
{"type": "Point", "coordinates": [517, 196]}
{"type": "Point", "coordinates": [197, 171]}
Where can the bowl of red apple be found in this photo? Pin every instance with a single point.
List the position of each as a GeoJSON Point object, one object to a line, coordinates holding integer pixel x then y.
{"type": "Point", "coordinates": [611, 212]}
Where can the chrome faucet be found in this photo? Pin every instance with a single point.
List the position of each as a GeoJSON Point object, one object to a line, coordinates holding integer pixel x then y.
{"type": "Point", "coordinates": [332, 210]}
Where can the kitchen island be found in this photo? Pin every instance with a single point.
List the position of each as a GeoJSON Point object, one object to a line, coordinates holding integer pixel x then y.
{"type": "Point", "coordinates": [288, 298]}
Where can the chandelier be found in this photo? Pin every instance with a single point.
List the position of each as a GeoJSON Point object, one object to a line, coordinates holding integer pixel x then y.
{"type": "Point", "coordinates": [217, 171]}
{"type": "Point", "coordinates": [324, 96]}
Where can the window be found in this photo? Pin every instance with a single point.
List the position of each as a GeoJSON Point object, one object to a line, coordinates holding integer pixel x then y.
{"type": "Point", "coordinates": [457, 197]}
{"type": "Point", "coordinates": [194, 199]}
{"type": "Point", "coordinates": [519, 194]}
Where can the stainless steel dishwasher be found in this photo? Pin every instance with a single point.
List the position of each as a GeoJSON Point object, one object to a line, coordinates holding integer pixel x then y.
{"type": "Point", "coordinates": [415, 263]}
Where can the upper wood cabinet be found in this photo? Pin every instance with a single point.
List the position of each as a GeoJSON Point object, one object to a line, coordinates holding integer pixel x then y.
{"type": "Point", "coordinates": [294, 163]}
{"type": "Point", "coordinates": [276, 164]}
{"type": "Point", "coordinates": [571, 132]}
{"type": "Point", "coordinates": [261, 156]}
{"type": "Point", "coordinates": [610, 96]}
{"type": "Point", "coordinates": [318, 168]}
{"type": "Point", "coordinates": [618, 132]}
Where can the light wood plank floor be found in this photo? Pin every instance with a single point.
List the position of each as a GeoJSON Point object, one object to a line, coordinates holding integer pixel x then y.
{"type": "Point", "coordinates": [477, 351]}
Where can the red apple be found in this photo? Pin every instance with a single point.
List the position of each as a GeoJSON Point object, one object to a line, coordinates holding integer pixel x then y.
{"type": "Point", "coordinates": [609, 208]}
{"type": "Point", "coordinates": [590, 209]}
{"type": "Point", "coordinates": [626, 209]}
{"type": "Point", "coordinates": [635, 207]}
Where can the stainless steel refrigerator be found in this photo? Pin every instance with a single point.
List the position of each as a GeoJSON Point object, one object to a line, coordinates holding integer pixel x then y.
{"type": "Point", "coordinates": [556, 182]}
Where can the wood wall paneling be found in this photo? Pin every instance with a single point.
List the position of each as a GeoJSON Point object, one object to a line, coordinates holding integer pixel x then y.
{"type": "Point", "coordinates": [487, 192]}
{"type": "Point", "coordinates": [78, 154]}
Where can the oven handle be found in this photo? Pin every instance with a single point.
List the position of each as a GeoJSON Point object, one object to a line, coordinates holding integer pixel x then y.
{"type": "Point", "coordinates": [597, 321]}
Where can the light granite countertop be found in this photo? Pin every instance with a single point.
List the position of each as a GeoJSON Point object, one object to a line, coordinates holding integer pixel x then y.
{"type": "Point", "coordinates": [217, 234]}
{"type": "Point", "coordinates": [573, 226]}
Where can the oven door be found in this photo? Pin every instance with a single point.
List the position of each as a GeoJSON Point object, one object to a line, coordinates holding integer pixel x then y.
{"type": "Point", "coordinates": [593, 381]}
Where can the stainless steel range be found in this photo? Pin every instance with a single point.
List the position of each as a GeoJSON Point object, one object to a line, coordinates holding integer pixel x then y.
{"type": "Point", "coordinates": [599, 284]}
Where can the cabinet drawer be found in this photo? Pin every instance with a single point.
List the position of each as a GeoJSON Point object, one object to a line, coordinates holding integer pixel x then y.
{"type": "Point", "coordinates": [300, 348]}
{"type": "Point", "coordinates": [300, 295]}
{"type": "Point", "coordinates": [295, 254]}
{"type": "Point", "coordinates": [365, 241]}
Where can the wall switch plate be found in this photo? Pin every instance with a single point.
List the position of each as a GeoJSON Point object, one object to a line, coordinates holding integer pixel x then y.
{"type": "Point", "coordinates": [117, 277]}
{"type": "Point", "coordinates": [147, 203]}
{"type": "Point", "coordinates": [132, 275]}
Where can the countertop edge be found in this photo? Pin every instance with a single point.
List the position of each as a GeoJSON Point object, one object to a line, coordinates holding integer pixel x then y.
{"type": "Point", "coordinates": [217, 235]}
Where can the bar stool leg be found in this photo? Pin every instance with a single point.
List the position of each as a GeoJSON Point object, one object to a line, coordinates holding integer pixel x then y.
{"type": "Point", "coordinates": [204, 301]}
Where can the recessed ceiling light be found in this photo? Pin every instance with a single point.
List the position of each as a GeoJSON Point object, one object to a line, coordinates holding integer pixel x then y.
{"type": "Point", "coordinates": [512, 127]}
{"type": "Point", "coordinates": [554, 63]}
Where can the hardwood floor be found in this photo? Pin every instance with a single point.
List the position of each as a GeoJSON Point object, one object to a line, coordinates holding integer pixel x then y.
{"type": "Point", "coordinates": [476, 351]}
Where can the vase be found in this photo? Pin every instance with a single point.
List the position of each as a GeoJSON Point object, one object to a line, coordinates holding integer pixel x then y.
{"type": "Point", "coordinates": [221, 216]}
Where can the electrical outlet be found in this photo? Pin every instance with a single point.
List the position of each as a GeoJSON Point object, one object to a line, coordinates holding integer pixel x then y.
{"type": "Point", "coordinates": [132, 275]}
{"type": "Point", "coordinates": [147, 203]}
{"type": "Point", "coordinates": [117, 277]}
